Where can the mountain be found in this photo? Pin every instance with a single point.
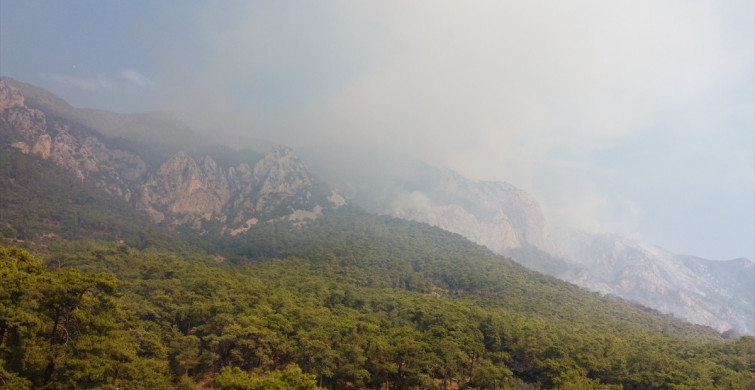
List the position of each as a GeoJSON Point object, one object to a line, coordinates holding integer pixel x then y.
{"type": "Point", "coordinates": [154, 134]}
{"type": "Point", "coordinates": [495, 214]}
{"type": "Point", "coordinates": [720, 294]}
{"type": "Point", "coordinates": [229, 270]}
{"type": "Point", "coordinates": [179, 191]}
{"type": "Point", "coordinates": [510, 221]}
{"type": "Point", "coordinates": [156, 165]}
{"type": "Point", "coordinates": [152, 129]}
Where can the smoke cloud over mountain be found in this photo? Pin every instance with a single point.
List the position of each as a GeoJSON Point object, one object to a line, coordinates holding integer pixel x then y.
{"type": "Point", "coordinates": [634, 117]}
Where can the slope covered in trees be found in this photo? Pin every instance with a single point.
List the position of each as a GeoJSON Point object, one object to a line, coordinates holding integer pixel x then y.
{"type": "Point", "coordinates": [350, 301]}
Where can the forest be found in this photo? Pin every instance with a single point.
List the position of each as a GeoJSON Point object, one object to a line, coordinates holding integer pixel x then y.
{"type": "Point", "coordinates": [351, 300]}
{"type": "Point", "coordinates": [93, 295]}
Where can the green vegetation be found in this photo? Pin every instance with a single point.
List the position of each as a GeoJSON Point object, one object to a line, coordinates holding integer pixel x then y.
{"type": "Point", "coordinates": [350, 301]}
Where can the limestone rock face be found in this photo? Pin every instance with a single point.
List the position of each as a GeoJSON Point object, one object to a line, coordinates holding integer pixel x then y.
{"type": "Point", "coordinates": [281, 179]}
{"type": "Point", "coordinates": [43, 146]}
{"type": "Point", "coordinates": [9, 97]}
{"type": "Point", "coordinates": [720, 294]}
{"type": "Point", "coordinates": [82, 153]}
{"type": "Point", "coordinates": [30, 123]}
{"type": "Point", "coordinates": [179, 191]}
{"type": "Point", "coordinates": [498, 233]}
{"type": "Point", "coordinates": [495, 214]}
{"type": "Point", "coordinates": [21, 146]}
{"type": "Point", "coordinates": [185, 191]}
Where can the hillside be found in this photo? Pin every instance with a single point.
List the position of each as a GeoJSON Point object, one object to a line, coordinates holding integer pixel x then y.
{"type": "Point", "coordinates": [307, 296]}
{"type": "Point", "coordinates": [41, 202]}
{"type": "Point", "coordinates": [720, 294]}
{"type": "Point", "coordinates": [351, 301]}
{"type": "Point", "coordinates": [174, 187]}
{"type": "Point", "coordinates": [510, 221]}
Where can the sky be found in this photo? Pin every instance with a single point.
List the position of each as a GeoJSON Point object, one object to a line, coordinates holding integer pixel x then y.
{"type": "Point", "coordinates": [633, 117]}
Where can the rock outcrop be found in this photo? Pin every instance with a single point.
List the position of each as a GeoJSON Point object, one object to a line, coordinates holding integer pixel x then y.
{"type": "Point", "coordinates": [180, 191]}
{"type": "Point", "coordinates": [184, 191]}
{"type": "Point", "coordinates": [495, 214]}
{"type": "Point", "coordinates": [720, 294]}
{"type": "Point", "coordinates": [280, 179]}
{"type": "Point", "coordinates": [80, 152]}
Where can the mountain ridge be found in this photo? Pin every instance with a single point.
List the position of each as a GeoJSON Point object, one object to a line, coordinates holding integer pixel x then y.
{"type": "Point", "coordinates": [180, 190]}
{"type": "Point", "coordinates": [327, 297]}
{"type": "Point", "coordinates": [189, 188]}
{"type": "Point", "coordinates": [509, 221]}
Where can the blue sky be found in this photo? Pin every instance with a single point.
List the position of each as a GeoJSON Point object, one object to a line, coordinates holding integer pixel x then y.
{"type": "Point", "coordinates": [635, 117]}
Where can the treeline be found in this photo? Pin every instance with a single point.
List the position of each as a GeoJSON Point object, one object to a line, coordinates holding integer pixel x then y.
{"type": "Point", "coordinates": [347, 302]}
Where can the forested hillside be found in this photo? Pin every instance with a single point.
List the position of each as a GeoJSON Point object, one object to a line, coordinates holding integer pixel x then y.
{"type": "Point", "coordinates": [510, 221]}
{"type": "Point", "coordinates": [352, 301]}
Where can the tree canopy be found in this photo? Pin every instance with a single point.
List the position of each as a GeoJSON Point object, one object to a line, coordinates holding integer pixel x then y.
{"type": "Point", "coordinates": [349, 301]}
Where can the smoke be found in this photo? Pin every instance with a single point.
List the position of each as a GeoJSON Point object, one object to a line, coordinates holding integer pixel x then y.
{"type": "Point", "coordinates": [560, 98]}
{"type": "Point", "coordinates": [626, 115]}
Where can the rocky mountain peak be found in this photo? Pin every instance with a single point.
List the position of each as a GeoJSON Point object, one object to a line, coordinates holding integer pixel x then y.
{"type": "Point", "coordinates": [195, 192]}
{"type": "Point", "coordinates": [184, 191]}
{"type": "Point", "coordinates": [281, 175]}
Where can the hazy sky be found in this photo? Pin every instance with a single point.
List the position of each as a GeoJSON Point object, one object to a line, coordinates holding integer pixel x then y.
{"type": "Point", "coordinates": [629, 116]}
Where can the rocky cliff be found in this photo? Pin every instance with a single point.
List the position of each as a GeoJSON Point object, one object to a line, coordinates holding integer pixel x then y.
{"type": "Point", "coordinates": [507, 219]}
{"type": "Point", "coordinates": [78, 150]}
{"type": "Point", "coordinates": [510, 221]}
{"type": "Point", "coordinates": [720, 294]}
{"type": "Point", "coordinates": [495, 214]}
{"type": "Point", "coordinates": [180, 191]}
{"type": "Point", "coordinates": [197, 193]}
